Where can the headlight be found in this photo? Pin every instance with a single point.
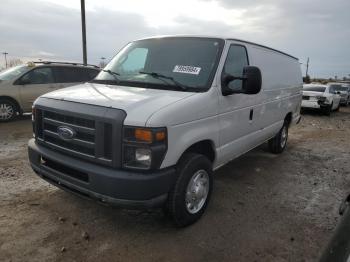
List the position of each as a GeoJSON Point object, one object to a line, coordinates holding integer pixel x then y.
{"type": "Point", "coordinates": [144, 148]}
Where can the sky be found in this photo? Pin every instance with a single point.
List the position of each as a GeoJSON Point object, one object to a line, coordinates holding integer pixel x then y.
{"type": "Point", "coordinates": [51, 29]}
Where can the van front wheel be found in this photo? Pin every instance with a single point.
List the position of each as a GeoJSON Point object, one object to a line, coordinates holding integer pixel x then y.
{"type": "Point", "coordinates": [279, 142]}
{"type": "Point", "coordinates": [189, 198]}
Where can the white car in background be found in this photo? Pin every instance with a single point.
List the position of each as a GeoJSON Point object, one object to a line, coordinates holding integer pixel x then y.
{"type": "Point", "coordinates": [323, 97]}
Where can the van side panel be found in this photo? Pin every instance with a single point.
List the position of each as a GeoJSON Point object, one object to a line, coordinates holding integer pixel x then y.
{"type": "Point", "coordinates": [209, 115]}
{"type": "Point", "coordinates": [281, 85]}
{"type": "Point", "coordinates": [280, 95]}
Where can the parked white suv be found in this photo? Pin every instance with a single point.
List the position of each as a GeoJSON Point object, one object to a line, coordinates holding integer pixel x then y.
{"type": "Point", "coordinates": [166, 111]}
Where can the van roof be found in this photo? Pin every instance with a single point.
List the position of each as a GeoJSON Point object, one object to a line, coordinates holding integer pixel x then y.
{"type": "Point", "coordinates": [223, 38]}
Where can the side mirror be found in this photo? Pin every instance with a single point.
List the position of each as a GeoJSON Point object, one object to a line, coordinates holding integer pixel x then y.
{"type": "Point", "coordinates": [251, 82]}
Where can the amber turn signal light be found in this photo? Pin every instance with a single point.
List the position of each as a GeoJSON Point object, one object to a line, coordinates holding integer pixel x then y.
{"type": "Point", "coordinates": [143, 135]}
{"type": "Point", "coordinates": [160, 136]}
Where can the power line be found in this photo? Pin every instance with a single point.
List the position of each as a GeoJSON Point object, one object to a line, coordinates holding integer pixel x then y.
{"type": "Point", "coordinates": [307, 67]}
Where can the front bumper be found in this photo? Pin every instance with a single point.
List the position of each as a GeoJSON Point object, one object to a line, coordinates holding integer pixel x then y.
{"type": "Point", "coordinates": [110, 186]}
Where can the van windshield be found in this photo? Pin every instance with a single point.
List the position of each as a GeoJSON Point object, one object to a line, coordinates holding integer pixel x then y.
{"type": "Point", "coordinates": [175, 63]}
{"type": "Point", "coordinates": [13, 72]}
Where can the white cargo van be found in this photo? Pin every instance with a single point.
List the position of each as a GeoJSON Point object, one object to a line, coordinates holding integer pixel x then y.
{"type": "Point", "coordinates": [150, 129]}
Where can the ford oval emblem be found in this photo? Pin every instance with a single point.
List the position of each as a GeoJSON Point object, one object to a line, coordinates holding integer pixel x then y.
{"type": "Point", "coordinates": [65, 132]}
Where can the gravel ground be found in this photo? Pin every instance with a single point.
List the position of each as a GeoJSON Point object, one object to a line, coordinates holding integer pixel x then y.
{"type": "Point", "coordinates": [264, 207]}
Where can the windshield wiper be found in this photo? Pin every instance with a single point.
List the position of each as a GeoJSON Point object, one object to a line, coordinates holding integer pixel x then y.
{"type": "Point", "coordinates": [105, 81]}
{"type": "Point", "coordinates": [158, 76]}
{"type": "Point", "coordinates": [114, 74]}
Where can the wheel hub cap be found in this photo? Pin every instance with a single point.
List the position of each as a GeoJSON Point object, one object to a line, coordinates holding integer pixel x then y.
{"type": "Point", "coordinates": [197, 191]}
{"type": "Point", "coordinates": [6, 111]}
{"type": "Point", "coordinates": [284, 136]}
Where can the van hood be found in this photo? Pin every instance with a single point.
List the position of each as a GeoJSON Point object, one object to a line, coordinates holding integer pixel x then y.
{"type": "Point", "coordinates": [138, 103]}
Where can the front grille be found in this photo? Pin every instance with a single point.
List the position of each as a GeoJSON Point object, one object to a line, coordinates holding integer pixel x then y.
{"type": "Point", "coordinates": [88, 132]}
{"type": "Point", "coordinates": [84, 140]}
{"type": "Point", "coordinates": [306, 97]}
{"type": "Point", "coordinates": [92, 138]}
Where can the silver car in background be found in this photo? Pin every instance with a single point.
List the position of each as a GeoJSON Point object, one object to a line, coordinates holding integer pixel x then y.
{"type": "Point", "coordinates": [343, 90]}
{"type": "Point", "coordinates": [22, 84]}
{"type": "Point", "coordinates": [347, 86]}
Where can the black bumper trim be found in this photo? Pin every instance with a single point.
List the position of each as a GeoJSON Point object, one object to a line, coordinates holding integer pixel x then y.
{"type": "Point", "coordinates": [109, 186]}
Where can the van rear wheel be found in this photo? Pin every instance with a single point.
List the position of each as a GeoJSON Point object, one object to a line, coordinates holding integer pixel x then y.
{"type": "Point", "coordinates": [189, 198]}
{"type": "Point", "coordinates": [278, 143]}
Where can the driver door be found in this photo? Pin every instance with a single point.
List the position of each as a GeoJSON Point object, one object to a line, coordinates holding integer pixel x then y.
{"type": "Point", "coordinates": [35, 83]}
{"type": "Point", "coordinates": [237, 111]}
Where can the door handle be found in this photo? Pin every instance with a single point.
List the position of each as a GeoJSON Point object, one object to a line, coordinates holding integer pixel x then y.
{"type": "Point", "coordinates": [251, 113]}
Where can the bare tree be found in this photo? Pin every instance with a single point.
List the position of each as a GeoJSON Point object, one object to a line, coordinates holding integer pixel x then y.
{"type": "Point", "coordinates": [102, 62]}
{"type": "Point", "coordinates": [14, 62]}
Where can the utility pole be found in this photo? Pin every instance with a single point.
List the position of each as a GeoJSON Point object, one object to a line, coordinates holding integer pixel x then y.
{"type": "Point", "coordinates": [5, 53]}
{"type": "Point", "coordinates": [102, 64]}
{"type": "Point", "coordinates": [307, 67]}
{"type": "Point", "coordinates": [83, 30]}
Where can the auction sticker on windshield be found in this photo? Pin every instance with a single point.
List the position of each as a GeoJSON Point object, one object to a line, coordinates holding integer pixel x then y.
{"type": "Point", "coordinates": [187, 69]}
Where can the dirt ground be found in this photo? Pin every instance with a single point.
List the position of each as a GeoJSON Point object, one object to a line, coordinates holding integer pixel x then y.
{"type": "Point", "coordinates": [264, 207]}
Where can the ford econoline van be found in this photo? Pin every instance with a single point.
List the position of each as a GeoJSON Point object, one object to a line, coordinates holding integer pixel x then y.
{"type": "Point", "coordinates": [165, 113]}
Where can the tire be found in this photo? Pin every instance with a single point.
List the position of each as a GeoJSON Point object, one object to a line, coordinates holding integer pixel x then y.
{"type": "Point", "coordinates": [337, 109]}
{"type": "Point", "coordinates": [328, 110]}
{"type": "Point", "coordinates": [8, 110]}
{"type": "Point", "coordinates": [278, 143]}
{"type": "Point", "coordinates": [194, 181]}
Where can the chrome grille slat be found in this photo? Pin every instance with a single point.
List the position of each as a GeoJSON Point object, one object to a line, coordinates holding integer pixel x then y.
{"type": "Point", "coordinates": [84, 142]}
{"type": "Point", "coordinates": [78, 128]}
{"type": "Point", "coordinates": [69, 150]}
{"type": "Point", "coordinates": [74, 141]}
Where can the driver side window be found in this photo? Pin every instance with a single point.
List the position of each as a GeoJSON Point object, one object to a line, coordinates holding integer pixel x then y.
{"type": "Point", "coordinates": [38, 76]}
{"type": "Point", "coordinates": [236, 60]}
